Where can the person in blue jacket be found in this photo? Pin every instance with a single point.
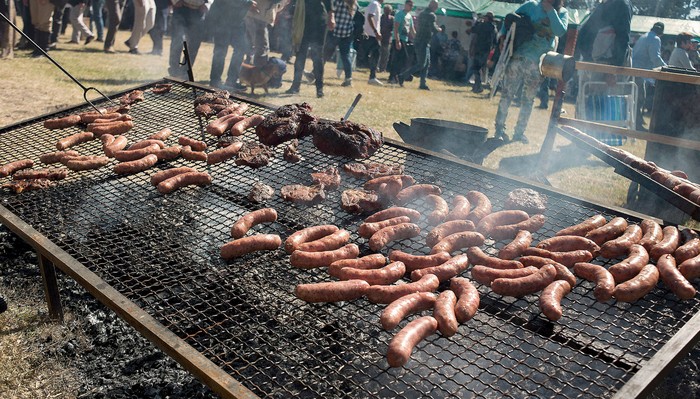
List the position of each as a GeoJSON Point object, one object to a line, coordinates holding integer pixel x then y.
{"type": "Point", "coordinates": [549, 20]}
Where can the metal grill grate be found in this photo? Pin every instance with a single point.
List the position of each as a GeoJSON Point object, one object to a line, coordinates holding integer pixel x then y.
{"type": "Point", "coordinates": [162, 252]}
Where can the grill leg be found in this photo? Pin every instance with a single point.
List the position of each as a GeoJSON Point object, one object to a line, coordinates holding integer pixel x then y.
{"type": "Point", "coordinates": [53, 297]}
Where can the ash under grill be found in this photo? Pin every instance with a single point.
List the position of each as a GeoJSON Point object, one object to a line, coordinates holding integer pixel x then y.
{"type": "Point", "coordinates": [162, 252]}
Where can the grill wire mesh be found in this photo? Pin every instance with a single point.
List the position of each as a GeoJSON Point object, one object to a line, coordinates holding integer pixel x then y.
{"type": "Point", "coordinates": [162, 252]}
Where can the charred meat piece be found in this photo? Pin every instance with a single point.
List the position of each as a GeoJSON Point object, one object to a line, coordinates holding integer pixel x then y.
{"type": "Point", "coordinates": [131, 97]}
{"type": "Point", "coordinates": [526, 199]}
{"type": "Point", "coordinates": [360, 201]}
{"type": "Point", "coordinates": [346, 138]}
{"type": "Point", "coordinates": [204, 110]}
{"type": "Point", "coordinates": [212, 97]}
{"type": "Point", "coordinates": [372, 169]}
{"type": "Point", "coordinates": [254, 155]}
{"type": "Point", "coordinates": [17, 186]}
{"type": "Point", "coordinates": [210, 104]}
{"type": "Point", "coordinates": [329, 178]}
{"type": "Point", "coordinates": [47, 173]}
{"type": "Point", "coordinates": [291, 152]}
{"type": "Point", "coordinates": [260, 192]}
{"type": "Point", "coordinates": [162, 88]}
{"type": "Point", "coordinates": [225, 141]}
{"type": "Point", "coordinates": [305, 195]}
{"type": "Point", "coordinates": [286, 123]}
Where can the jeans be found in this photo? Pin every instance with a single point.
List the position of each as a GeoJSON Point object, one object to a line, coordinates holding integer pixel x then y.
{"type": "Point", "coordinates": [315, 49]}
{"type": "Point", "coordinates": [159, 28]}
{"type": "Point", "coordinates": [527, 72]}
{"type": "Point", "coordinates": [372, 47]}
{"type": "Point", "coordinates": [344, 45]}
{"type": "Point", "coordinates": [114, 11]}
{"type": "Point", "coordinates": [398, 62]}
{"type": "Point", "coordinates": [384, 56]}
{"type": "Point", "coordinates": [422, 61]}
{"type": "Point", "coordinates": [96, 17]}
{"type": "Point", "coordinates": [477, 64]}
{"type": "Point", "coordinates": [261, 40]}
{"type": "Point", "coordinates": [187, 24]}
{"type": "Point", "coordinates": [225, 36]}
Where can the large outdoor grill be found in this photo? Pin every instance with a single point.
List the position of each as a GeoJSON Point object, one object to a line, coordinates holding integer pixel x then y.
{"type": "Point", "coordinates": [162, 253]}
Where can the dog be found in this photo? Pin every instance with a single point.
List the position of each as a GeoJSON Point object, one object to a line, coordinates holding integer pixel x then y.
{"type": "Point", "coordinates": [268, 75]}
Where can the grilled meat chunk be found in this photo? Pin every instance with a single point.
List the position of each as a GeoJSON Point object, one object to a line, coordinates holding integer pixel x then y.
{"type": "Point", "coordinates": [346, 138]}
{"type": "Point", "coordinates": [286, 123]}
{"type": "Point", "coordinates": [17, 186]}
{"type": "Point", "coordinates": [291, 152]}
{"type": "Point", "coordinates": [210, 104]}
{"type": "Point", "coordinates": [305, 195]}
{"type": "Point", "coordinates": [360, 201]}
{"type": "Point", "coordinates": [329, 178]}
{"type": "Point", "coordinates": [47, 173]}
{"type": "Point", "coordinates": [254, 155]}
{"type": "Point", "coordinates": [526, 199]}
{"type": "Point", "coordinates": [131, 97]}
{"type": "Point", "coordinates": [260, 192]}
{"type": "Point", "coordinates": [372, 169]}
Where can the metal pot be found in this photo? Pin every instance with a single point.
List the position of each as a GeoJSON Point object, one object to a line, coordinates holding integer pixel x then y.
{"type": "Point", "coordinates": [557, 66]}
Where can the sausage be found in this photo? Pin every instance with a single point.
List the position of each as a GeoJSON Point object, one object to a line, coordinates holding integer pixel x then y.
{"type": "Point", "coordinates": [550, 300]}
{"type": "Point", "coordinates": [224, 154]}
{"type": "Point", "coordinates": [373, 261]}
{"type": "Point", "coordinates": [445, 271]}
{"type": "Point", "coordinates": [114, 117]}
{"type": "Point", "coordinates": [390, 293]}
{"type": "Point", "coordinates": [335, 291]}
{"type": "Point", "coordinates": [584, 227]}
{"type": "Point", "coordinates": [191, 155]}
{"type": "Point", "coordinates": [637, 287]}
{"type": "Point", "coordinates": [240, 127]}
{"type": "Point", "coordinates": [126, 155]}
{"type": "Point", "coordinates": [119, 127]}
{"type": "Point", "coordinates": [246, 245]}
{"type": "Point", "coordinates": [377, 182]}
{"type": "Point", "coordinates": [569, 243]}
{"type": "Point", "coordinates": [392, 233]}
{"type": "Point", "coordinates": [404, 306]}
{"type": "Point", "coordinates": [445, 229]}
{"type": "Point", "coordinates": [516, 247]}
{"type": "Point", "coordinates": [500, 218]}
{"type": "Point", "coordinates": [73, 140]}
{"type": "Point", "coordinates": [460, 208]}
{"type": "Point", "coordinates": [195, 145]}
{"type": "Point", "coordinates": [634, 263]}
{"type": "Point", "coordinates": [467, 299]}
{"type": "Point", "coordinates": [327, 243]}
{"type": "Point", "coordinates": [12, 167]}
{"type": "Point", "coordinates": [603, 279]}
{"type": "Point", "coordinates": [563, 272]}
{"type": "Point", "coordinates": [62, 123]}
{"type": "Point", "coordinates": [482, 206]}
{"type": "Point", "coordinates": [685, 189]}
{"type": "Point", "coordinates": [485, 275]}
{"type": "Point", "coordinates": [518, 287]}
{"type": "Point", "coordinates": [613, 229]}
{"type": "Point", "coordinates": [622, 244]}
{"type": "Point", "coordinates": [388, 274]}
{"type": "Point", "coordinates": [311, 260]}
{"type": "Point", "coordinates": [404, 341]}
{"type": "Point", "coordinates": [673, 278]}
{"type": "Point", "coordinates": [439, 207]}
{"type": "Point", "coordinates": [366, 230]}
{"type": "Point", "coordinates": [141, 144]}
{"type": "Point", "coordinates": [690, 268]}
{"type": "Point", "coordinates": [221, 125]}
{"type": "Point", "coordinates": [86, 163]}
{"type": "Point", "coordinates": [139, 165]}
{"type": "Point", "coordinates": [246, 222]}
{"type": "Point", "coordinates": [413, 192]}
{"type": "Point", "coordinates": [688, 250]}
{"type": "Point", "coordinates": [453, 242]}
{"type": "Point", "coordinates": [90, 117]}
{"type": "Point", "coordinates": [667, 245]}
{"type": "Point", "coordinates": [57, 156]}
{"type": "Point", "coordinates": [652, 234]}
{"type": "Point", "coordinates": [168, 173]}
{"type": "Point", "coordinates": [416, 262]}
{"type": "Point", "coordinates": [308, 234]}
{"type": "Point", "coordinates": [532, 224]}
{"type": "Point", "coordinates": [182, 180]}
{"type": "Point", "coordinates": [47, 173]}
{"type": "Point", "coordinates": [444, 313]}
{"type": "Point", "coordinates": [237, 109]}
{"type": "Point", "coordinates": [568, 258]}
{"type": "Point", "coordinates": [393, 212]}
{"type": "Point", "coordinates": [478, 257]}
{"type": "Point", "coordinates": [161, 135]}
{"type": "Point", "coordinates": [115, 145]}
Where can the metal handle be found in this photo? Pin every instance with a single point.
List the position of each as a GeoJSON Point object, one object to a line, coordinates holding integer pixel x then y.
{"type": "Point", "coordinates": [352, 107]}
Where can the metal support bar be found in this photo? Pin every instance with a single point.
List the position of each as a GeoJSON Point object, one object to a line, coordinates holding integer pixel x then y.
{"type": "Point", "coordinates": [53, 296]}
{"type": "Point", "coordinates": [641, 73]}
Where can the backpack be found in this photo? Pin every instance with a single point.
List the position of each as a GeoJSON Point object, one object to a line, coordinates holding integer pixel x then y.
{"type": "Point", "coordinates": [524, 31]}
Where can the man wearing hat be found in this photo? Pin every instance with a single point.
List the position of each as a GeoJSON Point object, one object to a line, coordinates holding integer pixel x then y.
{"type": "Point", "coordinates": [679, 57]}
{"type": "Point", "coordinates": [646, 54]}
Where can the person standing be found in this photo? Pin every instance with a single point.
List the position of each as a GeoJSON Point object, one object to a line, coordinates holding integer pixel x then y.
{"type": "Point", "coordinates": [160, 26]}
{"type": "Point", "coordinates": [7, 33]}
{"type": "Point", "coordinates": [604, 37]}
{"type": "Point", "coordinates": [646, 54]}
{"type": "Point", "coordinates": [311, 17]}
{"type": "Point", "coordinates": [373, 39]}
{"type": "Point", "coordinates": [482, 43]}
{"type": "Point", "coordinates": [402, 32]}
{"type": "Point", "coordinates": [550, 20]}
{"type": "Point", "coordinates": [114, 17]}
{"type": "Point", "coordinates": [96, 7]}
{"type": "Point", "coordinates": [226, 22]}
{"type": "Point", "coordinates": [144, 19]}
{"type": "Point", "coordinates": [259, 25]}
{"type": "Point", "coordinates": [76, 19]}
{"type": "Point", "coordinates": [679, 56]}
{"type": "Point", "coordinates": [343, 13]}
{"type": "Point", "coordinates": [386, 25]}
{"type": "Point", "coordinates": [187, 24]}
{"type": "Point", "coordinates": [427, 26]}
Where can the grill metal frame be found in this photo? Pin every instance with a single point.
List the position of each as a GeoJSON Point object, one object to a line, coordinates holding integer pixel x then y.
{"type": "Point", "coordinates": [493, 361]}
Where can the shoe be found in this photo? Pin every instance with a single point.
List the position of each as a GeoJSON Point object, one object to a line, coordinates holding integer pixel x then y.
{"type": "Point", "coordinates": [292, 90]}
{"type": "Point", "coordinates": [346, 83]}
{"type": "Point", "coordinates": [424, 87]}
{"type": "Point", "coordinates": [375, 82]}
{"type": "Point", "coordinates": [89, 39]}
{"type": "Point", "coordinates": [110, 50]}
{"type": "Point", "coordinates": [156, 52]}
{"type": "Point", "coordinates": [73, 42]}
{"type": "Point", "coordinates": [100, 40]}
{"type": "Point", "coordinates": [134, 51]}
{"type": "Point", "coordinates": [237, 87]}
{"type": "Point", "coordinates": [521, 138]}
{"type": "Point", "coordinates": [408, 78]}
{"type": "Point", "coordinates": [319, 93]}
{"type": "Point", "coordinates": [542, 106]}
{"type": "Point", "coordinates": [52, 46]}
{"type": "Point", "coordinates": [502, 136]}
{"type": "Point", "coordinates": [478, 90]}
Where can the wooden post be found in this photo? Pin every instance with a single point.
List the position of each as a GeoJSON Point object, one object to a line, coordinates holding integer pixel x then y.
{"type": "Point", "coordinates": [53, 297]}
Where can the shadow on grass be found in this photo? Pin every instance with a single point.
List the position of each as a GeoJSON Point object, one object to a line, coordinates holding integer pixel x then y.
{"type": "Point", "coordinates": [563, 158]}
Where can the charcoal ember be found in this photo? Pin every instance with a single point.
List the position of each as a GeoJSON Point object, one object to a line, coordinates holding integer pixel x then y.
{"type": "Point", "coordinates": [329, 178]}
{"type": "Point", "coordinates": [132, 97]}
{"type": "Point", "coordinates": [225, 141]}
{"type": "Point", "coordinates": [346, 138]}
{"type": "Point", "coordinates": [305, 195]}
{"type": "Point", "coordinates": [288, 122]}
{"type": "Point", "coordinates": [47, 173]}
{"type": "Point", "coordinates": [254, 155]}
{"type": "Point", "coordinates": [260, 192]}
{"type": "Point", "coordinates": [291, 152]}
{"type": "Point", "coordinates": [360, 201]}
{"type": "Point", "coordinates": [18, 186]}
{"type": "Point", "coordinates": [372, 169]}
{"type": "Point", "coordinates": [526, 199]}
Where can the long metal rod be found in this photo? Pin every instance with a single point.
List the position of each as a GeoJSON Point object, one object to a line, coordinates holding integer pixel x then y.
{"type": "Point", "coordinates": [53, 296]}
{"type": "Point", "coordinates": [191, 359]}
{"type": "Point", "coordinates": [642, 73]}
